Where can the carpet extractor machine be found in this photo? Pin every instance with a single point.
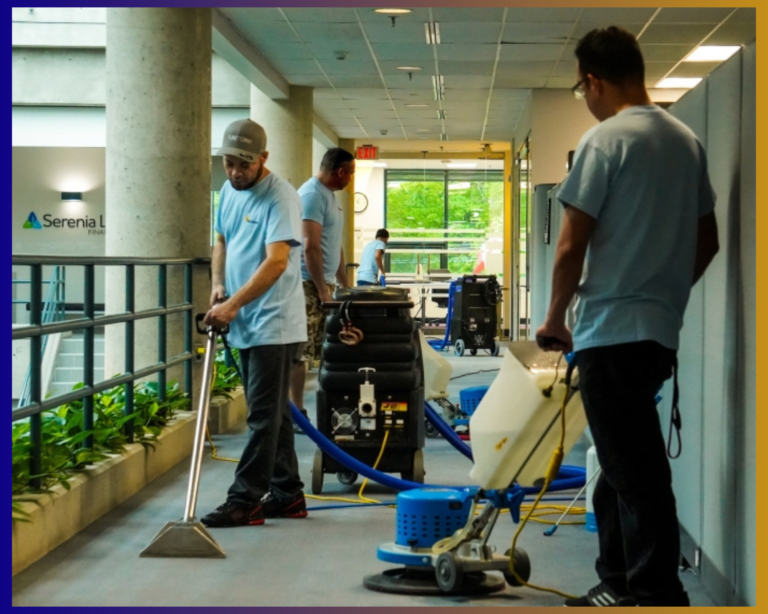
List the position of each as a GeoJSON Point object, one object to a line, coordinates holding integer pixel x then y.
{"type": "Point", "coordinates": [370, 398]}
{"type": "Point", "coordinates": [473, 319]}
{"type": "Point", "coordinates": [442, 543]}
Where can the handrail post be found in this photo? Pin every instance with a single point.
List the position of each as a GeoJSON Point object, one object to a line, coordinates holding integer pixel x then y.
{"type": "Point", "coordinates": [130, 307]}
{"type": "Point", "coordinates": [35, 379]}
{"type": "Point", "coordinates": [88, 349]}
{"type": "Point", "coordinates": [162, 330]}
{"type": "Point", "coordinates": [188, 328]}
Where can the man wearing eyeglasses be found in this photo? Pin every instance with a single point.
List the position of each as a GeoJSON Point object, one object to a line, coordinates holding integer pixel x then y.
{"type": "Point", "coordinates": [639, 230]}
{"type": "Point", "coordinates": [322, 259]}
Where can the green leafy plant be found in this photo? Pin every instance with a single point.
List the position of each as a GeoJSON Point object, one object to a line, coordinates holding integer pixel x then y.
{"type": "Point", "coordinates": [225, 378]}
{"type": "Point", "coordinates": [64, 436]}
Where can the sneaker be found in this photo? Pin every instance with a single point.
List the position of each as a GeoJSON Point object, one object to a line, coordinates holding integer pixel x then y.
{"type": "Point", "coordinates": [601, 596]}
{"type": "Point", "coordinates": [234, 515]}
{"type": "Point", "coordinates": [296, 427]}
{"type": "Point", "coordinates": [293, 507]}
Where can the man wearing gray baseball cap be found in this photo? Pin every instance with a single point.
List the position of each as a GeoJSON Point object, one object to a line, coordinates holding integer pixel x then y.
{"type": "Point", "coordinates": [257, 291]}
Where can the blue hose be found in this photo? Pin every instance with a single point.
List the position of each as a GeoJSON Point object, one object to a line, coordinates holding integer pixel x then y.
{"type": "Point", "coordinates": [446, 431]}
{"type": "Point", "coordinates": [440, 345]}
{"type": "Point", "coordinates": [568, 477]}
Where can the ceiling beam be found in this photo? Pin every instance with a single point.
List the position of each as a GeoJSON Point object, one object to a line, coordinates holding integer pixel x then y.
{"type": "Point", "coordinates": [230, 45]}
{"type": "Point", "coordinates": [323, 133]}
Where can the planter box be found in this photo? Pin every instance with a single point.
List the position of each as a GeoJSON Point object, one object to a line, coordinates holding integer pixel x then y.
{"type": "Point", "coordinates": [58, 516]}
{"type": "Point", "coordinates": [225, 415]}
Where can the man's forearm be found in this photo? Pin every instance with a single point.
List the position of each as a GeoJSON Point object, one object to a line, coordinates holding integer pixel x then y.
{"type": "Point", "coordinates": [218, 264]}
{"type": "Point", "coordinates": [263, 279]}
{"type": "Point", "coordinates": [341, 272]}
{"type": "Point", "coordinates": [313, 258]}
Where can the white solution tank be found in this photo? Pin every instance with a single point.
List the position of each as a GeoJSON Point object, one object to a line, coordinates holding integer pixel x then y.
{"type": "Point", "coordinates": [516, 427]}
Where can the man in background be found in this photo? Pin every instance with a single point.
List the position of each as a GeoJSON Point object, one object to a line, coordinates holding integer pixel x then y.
{"type": "Point", "coordinates": [372, 260]}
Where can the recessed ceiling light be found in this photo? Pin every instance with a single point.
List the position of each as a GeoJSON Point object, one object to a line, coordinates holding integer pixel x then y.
{"type": "Point", "coordinates": [420, 106]}
{"type": "Point", "coordinates": [392, 11]}
{"type": "Point", "coordinates": [679, 83]}
{"type": "Point", "coordinates": [409, 68]}
{"type": "Point", "coordinates": [711, 53]}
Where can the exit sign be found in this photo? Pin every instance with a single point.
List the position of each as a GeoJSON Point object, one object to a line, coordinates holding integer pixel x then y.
{"type": "Point", "coordinates": [367, 152]}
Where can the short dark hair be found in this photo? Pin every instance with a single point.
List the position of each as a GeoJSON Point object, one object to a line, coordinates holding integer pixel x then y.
{"type": "Point", "coordinates": [382, 233]}
{"type": "Point", "coordinates": [612, 54]}
{"type": "Point", "coordinates": [335, 158]}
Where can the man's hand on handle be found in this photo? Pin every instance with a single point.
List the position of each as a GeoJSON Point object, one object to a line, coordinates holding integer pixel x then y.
{"type": "Point", "coordinates": [554, 337]}
{"type": "Point", "coordinates": [222, 311]}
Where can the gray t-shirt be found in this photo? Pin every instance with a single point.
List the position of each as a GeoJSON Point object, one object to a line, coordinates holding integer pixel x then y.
{"type": "Point", "coordinates": [642, 174]}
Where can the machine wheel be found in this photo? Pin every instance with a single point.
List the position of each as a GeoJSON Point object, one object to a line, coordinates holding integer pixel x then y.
{"type": "Point", "coordinates": [522, 567]}
{"type": "Point", "coordinates": [496, 348]}
{"type": "Point", "coordinates": [473, 352]}
{"type": "Point", "coordinates": [449, 572]}
{"type": "Point", "coordinates": [458, 347]}
{"type": "Point", "coordinates": [317, 473]}
{"type": "Point", "coordinates": [347, 477]}
{"type": "Point", "coordinates": [416, 474]}
{"type": "Point", "coordinates": [430, 430]}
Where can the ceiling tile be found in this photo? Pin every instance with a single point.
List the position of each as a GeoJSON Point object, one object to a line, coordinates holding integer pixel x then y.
{"type": "Point", "coordinates": [617, 16]}
{"type": "Point", "coordinates": [467, 14]}
{"type": "Point", "coordinates": [450, 67]}
{"type": "Point", "coordinates": [363, 93]}
{"type": "Point", "coordinates": [364, 105]}
{"type": "Point", "coordinates": [261, 32]}
{"type": "Point", "coordinates": [347, 67]}
{"type": "Point", "coordinates": [511, 95]}
{"type": "Point", "coordinates": [744, 15]}
{"type": "Point", "coordinates": [656, 70]}
{"type": "Point", "coordinates": [587, 26]}
{"type": "Point", "coordinates": [680, 33]}
{"type": "Point", "coordinates": [329, 32]}
{"type": "Point", "coordinates": [565, 68]}
{"type": "Point", "coordinates": [665, 53]}
{"type": "Point", "coordinates": [241, 15]}
{"type": "Point", "coordinates": [321, 15]}
{"type": "Point", "coordinates": [542, 14]}
{"type": "Point", "coordinates": [407, 53]}
{"type": "Point", "coordinates": [286, 51]}
{"type": "Point", "coordinates": [537, 32]}
{"type": "Point", "coordinates": [694, 69]}
{"type": "Point", "coordinates": [520, 82]}
{"type": "Point", "coordinates": [412, 94]}
{"type": "Point", "coordinates": [467, 52]}
{"type": "Point", "coordinates": [355, 81]}
{"type": "Point", "coordinates": [468, 32]}
{"type": "Point", "coordinates": [327, 50]}
{"type": "Point", "coordinates": [539, 69]}
{"type": "Point", "coordinates": [465, 82]}
{"type": "Point", "coordinates": [400, 80]}
{"type": "Point", "coordinates": [316, 80]}
{"type": "Point", "coordinates": [561, 82]}
{"type": "Point", "coordinates": [294, 67]}
{"type": "Point", "coordinates": [692, 15]}
{"type": "Point", "coordinates": [401, 33]}
{"type": "Point", "coordinates": [733, 34]}
{"type": "Point", "coordinates": [532, 52]}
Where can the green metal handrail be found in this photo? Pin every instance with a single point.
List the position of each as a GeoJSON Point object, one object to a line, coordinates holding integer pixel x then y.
{"type": "Point", "coordinates": [38, 329]}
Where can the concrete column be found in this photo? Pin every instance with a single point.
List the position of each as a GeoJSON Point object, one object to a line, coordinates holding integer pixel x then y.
{"type": "Point", "coordinates": [289, 128]}
{"type": "Point", "coordinates": [158, 165]}
{"type": "Point", "coordinates": [347, 199]}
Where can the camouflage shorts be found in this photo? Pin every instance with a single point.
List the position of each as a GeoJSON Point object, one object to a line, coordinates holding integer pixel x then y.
{"type": "Point", "coordinates": [315, 321]}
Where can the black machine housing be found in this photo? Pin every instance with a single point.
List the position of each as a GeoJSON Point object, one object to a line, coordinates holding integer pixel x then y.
{"type": "Point", "coordinates": [391, 349]}
{"type": "Point", "coordinates": [473, 318]}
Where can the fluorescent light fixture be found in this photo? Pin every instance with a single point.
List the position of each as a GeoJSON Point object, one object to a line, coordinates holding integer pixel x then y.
{"type": "Point", "coordinates": [443, 137]}
{"type": "Point", "coordinates": [438, 87]}
{"type": "Point", "coordinates": [432, 32]}
{"type": "Point", "coordinates": [462, 165]}
{"type": "Point", "coordinates": [409, 68]}
{"type": "Point", "coordinates": [417, 106]}
{"type": "Point", "coordinates": [392, 11]}
{"type": "Point", "coordinates": [679, 83]}
{"type": "Point", "coordinates": [71, 197]}
{"type": "Point", "coordinates": [711, 53]}
{"type": "Point", "coordinates": [441, 114]}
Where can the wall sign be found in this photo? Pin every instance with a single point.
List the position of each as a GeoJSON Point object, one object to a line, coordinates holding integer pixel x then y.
{"type": "Point", "coordinates": [94, 226]}
{"type": "Point", "coordinates": [367, 152]}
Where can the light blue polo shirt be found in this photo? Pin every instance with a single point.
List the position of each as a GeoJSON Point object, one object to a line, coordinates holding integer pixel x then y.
{"type": "Point", "coordinates": [369, 269]}
{"type": "Point", "coordinates": [642, 174]}
{"type": "Point", "coordinates": [319, 204]}
{"type": "Point", "coordinates": [250, 220]}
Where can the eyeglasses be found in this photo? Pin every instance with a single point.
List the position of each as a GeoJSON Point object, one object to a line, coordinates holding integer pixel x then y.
{"type": "Point", "coordinates": [578, 90]}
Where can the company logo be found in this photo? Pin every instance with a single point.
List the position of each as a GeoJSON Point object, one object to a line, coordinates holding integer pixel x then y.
{"type": "Point", "coordinates": [33, 222]}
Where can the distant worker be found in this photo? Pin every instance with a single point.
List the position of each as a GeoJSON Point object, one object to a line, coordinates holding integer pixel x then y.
{"type": "Point", "coordinates": [372, 260]}
{"type": "Point", "coordinates": [256, 290]}
{"type": "Point", "coordinates": [322, 259]}
{"type": "Point", "coordinates": [639, 230]}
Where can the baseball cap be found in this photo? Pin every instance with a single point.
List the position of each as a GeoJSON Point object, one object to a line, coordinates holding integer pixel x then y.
{"type": "Point", "coordinates": [245, 139]}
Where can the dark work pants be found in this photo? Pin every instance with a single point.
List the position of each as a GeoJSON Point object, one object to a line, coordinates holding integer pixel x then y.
{"type": "Point", "coordinates": [633, 501]}
{"type": "Point", "coordinates": [269, 459]}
